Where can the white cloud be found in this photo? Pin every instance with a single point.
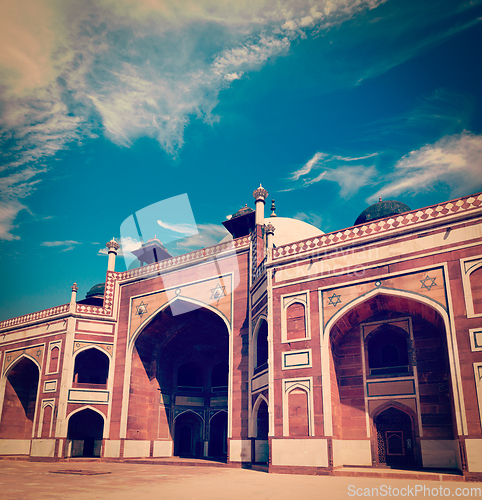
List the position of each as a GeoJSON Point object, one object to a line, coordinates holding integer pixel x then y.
{"type": "Point", "coordinates": [59, 243]}
{"type": "Point", "coordinates": [339, 169]}
{"type": "Point", "coordinates": [454, 161]}
{"type": "Point", "coordinates": [208, 235]}
{"type": "Point", "coordinates": [68, 244]}
{"type": "Point", "coordinates": [186, 229]}
{"type": "Point", "coordinates": [308, 166]}
{"type": "Point", "coordinates": [310, 218]}
{"type": "Point", "coordinates": [137, 66]}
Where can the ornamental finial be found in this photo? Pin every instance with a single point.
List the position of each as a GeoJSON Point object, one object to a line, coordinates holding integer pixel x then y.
{"type": "Point", "coordinates": [74, 287]}
{"type": "Point", "coordinates": [260, 193]}
{"type": "Point", "coordinates": [273, 208]}
{"type": "Point", "coordinates": [112, 245]}
{"type": "Point", "coordinates": [270, 229]}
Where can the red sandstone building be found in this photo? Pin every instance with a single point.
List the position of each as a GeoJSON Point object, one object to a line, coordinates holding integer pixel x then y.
{"type": "Point", "coordinates": [286, 346]}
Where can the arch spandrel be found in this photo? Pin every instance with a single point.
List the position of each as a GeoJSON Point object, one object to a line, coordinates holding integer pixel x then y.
{"type": "Point", "coordinates": [429, 284]}
{"type": "Point", "coordinates": [33, 353]}
{"type": "Point", "coordinates": [214, 294]}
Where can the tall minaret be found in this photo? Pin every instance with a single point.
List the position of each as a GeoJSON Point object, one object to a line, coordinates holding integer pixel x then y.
{"type": "Point", "coordinates": [260, 195]}
{"type": "Point", "coordinates": [113, 246]}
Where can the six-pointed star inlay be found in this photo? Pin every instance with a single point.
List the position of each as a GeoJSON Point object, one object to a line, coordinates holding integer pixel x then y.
{"type": "Point", "coordinates": [218, 292]}
{"type": "Point", "coordinates": [428, 282]}
{"type": "Point", "coordinates": [141, 309]}
{"type": "Point", "coordinates": [334, 300]}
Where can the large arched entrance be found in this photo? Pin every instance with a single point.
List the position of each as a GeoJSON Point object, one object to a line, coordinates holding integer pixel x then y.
{"type": "Point", "coordinates": [85, 432]}
{"type": "Point", "coordinates": [179, 381]}
{"type": "Point", "coordinates": [20, 400]}
{"type": "Point", "coordinates": [389, 352]}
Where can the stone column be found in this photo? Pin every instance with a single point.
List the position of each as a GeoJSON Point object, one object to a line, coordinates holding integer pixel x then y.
{"type": "Point", "coordinates": [270, 235]}
{"type": "Point", "coordinates": [73, 296]}
{"type": "Point", "coordinates": [113, 246]}
{"type": "Point", "coordinates": [260, 196]}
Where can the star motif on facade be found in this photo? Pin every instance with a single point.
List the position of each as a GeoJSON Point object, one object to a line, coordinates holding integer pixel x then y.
{"type": "Point", "coordinates": [218, 292]}
{"type": "Point", "coordinates": [9, 358]}
{"type": "Point", "coordinates": [39, 353]}
{"type": "Point", "coordinates": [428, 282]}
{"type": "Point", "coordinates": [141, 309]}
{"type": "Point", "coordinates": [334, 300]}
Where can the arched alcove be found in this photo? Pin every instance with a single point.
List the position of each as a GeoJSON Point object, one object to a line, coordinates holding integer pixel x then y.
{"type": "Point", "coordinates": [91, 367]}
{"type": "Point", "coordinates": [20, 400]}
{"type": "Point", "coordinates": [85, 432]}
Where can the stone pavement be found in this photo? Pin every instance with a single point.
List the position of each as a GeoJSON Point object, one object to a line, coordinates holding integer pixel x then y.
{"type": "Point", "coordinates": [22, 480]}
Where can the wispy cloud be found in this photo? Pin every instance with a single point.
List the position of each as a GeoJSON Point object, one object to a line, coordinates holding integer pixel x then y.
{"type": "Point", "coordinates": [453, 161]}
{"type": "Point", "coordinates": [186, 229]}
{"type": "Point", "coordinates": [130, 68]}
{"type": "Point", "coordinates": [68, 244]}
{"type": "Point", "coordinates": [208, 235]}
{"type": "Point", "coordinates": [310, 218]}
{"type": "Point", "coordinates": [340, 169]}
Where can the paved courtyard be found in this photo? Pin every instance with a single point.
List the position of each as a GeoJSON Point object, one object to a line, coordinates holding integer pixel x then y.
{"type": "Point", "coordinates": [20, 480]}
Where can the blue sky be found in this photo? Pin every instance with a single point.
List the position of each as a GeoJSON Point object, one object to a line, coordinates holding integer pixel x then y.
{"type": "Point", "coordinates": [111, 106]}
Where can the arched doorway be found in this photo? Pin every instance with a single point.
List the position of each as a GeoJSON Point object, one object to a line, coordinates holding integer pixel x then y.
{"type": "Point", "coordinates": [20, 400]}
{"type": "Point", "coordinates": [395, 438]}
{"type": "Point", "coordinates": [85, 431]}
{"type": "Point", "coordinates": [180, 374]}
{"type": "Point", "coordinates": [261, 448]}
{"type": "Point", "coordinates": [392, 351]}
{"type": "Point", "coordinates": [188, 440]}
{"type": "Point", "coordinates": [218, 433]}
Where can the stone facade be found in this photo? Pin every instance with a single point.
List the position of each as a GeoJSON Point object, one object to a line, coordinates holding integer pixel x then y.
{"type": "Point", "coordinates": [360, 347]}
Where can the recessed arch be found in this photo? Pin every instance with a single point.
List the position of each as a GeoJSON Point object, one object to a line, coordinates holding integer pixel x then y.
{"type": "Point", "coordinates": [91, 366]}
{"type": "Point", "coordinates": [260, 345]}
{"type": "Point", "coordinates": [179, 298]}
{"type": "Point", "coordinates": [16, 361]}
{"type": "Point", "coordinates": [391, 293]}
{"type": "Point", "coordinates": [85, 431]}
{"type": "Point", "coordinates": [409, 303]}
{"type": "Point", "coordinates": [20, 388]}
{"type": "Point", "coordinates": [93, 346]}
{"type": "Point", "coordinates": [188, 411]}
{"type": "Point", "coordinates": [254, 413]}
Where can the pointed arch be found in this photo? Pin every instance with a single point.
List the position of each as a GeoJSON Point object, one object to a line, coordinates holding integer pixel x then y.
{"type": "Point", "coordinates": [254, 414]}
{"type": "Point", "coordinates": [189, 411]}
{"type": "Point", "coordinates": [86, 407]}
{"type": "Point", "coordinates": [435, 309]}
{"type": "Point", "coordinates": [16, 361]}
{"type": "Point", "coordinates": [86, 434]}
{"type": "Point", "coordinates": [19, 398]}
{"type": "Point", "coordinates": [217, 413]}
{"type": "Point", "coordinates": [169, 303]}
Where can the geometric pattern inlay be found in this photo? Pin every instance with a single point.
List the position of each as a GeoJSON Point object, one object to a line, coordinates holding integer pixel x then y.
{"type": "Point", "coordinates": [428, 283]}
{"type": "Point", "coordinates": [141, 309]}
{"type": "Point", "coordinates": [35, 352]}
{"type": "Point", "coordinates": [334, 300]}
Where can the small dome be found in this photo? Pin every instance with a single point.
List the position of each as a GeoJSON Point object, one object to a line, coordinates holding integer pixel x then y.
{"type": "Point", "coordinates": [381, 210]}
{"type": "Point", "coordinates": [289, 230]}
{"type": "Point", "coordinates": [96, 290]}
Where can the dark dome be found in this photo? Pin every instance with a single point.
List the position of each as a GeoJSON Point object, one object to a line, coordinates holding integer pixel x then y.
{"type": "Point", "coordinates": [381, 210]}
{"type": "Point", "coordinates": [96, 290]}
